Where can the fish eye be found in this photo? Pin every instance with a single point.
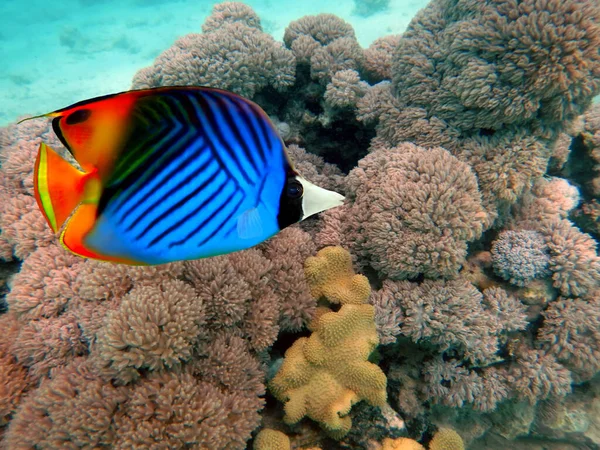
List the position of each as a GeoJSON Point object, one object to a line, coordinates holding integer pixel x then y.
{"type": "Point", "coordinates": [294, 189]}
{"type": "Point", "coordinates": [81, 115]}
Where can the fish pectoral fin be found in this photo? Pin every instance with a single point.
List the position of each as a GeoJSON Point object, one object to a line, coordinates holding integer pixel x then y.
{"type": "Point", "coordinates": [58, 186]}
{"type": "Point", "coordinates": [249, 224]}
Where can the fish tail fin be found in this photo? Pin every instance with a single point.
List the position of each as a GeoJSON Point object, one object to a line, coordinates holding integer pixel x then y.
{"type": "Point", "coordinates": [58, 186]}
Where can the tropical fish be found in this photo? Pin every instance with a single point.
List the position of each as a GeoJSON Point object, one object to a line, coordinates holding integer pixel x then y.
{"type": "Point", "coordinates": [170, 174]}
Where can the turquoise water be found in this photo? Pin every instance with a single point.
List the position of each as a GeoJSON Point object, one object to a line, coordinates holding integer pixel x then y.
{"type": "Point", "coordinates": [56, 53]}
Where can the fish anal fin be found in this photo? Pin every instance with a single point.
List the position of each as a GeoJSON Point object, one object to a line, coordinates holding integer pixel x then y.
{"type": "Point", "coordinates": [78, 227]}
{"type": "Point", "coordinates": [58, 186]}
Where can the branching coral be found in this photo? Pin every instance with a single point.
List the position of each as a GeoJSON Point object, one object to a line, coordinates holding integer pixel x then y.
{"type": "Point", "coordinates": [453, 315]}
{"type": "Point", "coordinates": [323, 375]}
{"type": "Point", "coordinates": [487, 81]}
{"type": "Point", "coordinates": [345, 90]}
{"type": "Point", "coordinates": [74, 409]}
{"type": "Point", "coordinates": [574, 261]}
{"type": "Point", "coordinates": [22, 228]}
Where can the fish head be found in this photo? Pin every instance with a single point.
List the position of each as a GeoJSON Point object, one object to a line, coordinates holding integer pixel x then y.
{"type": "Point", "coordinates": [301, 199]}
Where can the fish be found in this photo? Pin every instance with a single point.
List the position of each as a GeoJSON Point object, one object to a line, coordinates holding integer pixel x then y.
{"type": "Point", "coordinates": [169, 174]}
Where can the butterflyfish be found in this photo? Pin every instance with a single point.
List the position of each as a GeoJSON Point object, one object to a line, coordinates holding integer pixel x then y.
{"type": "Point", "coordinates": [168, 174]}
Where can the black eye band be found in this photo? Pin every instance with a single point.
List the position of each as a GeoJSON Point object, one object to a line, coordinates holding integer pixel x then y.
{"type": "Point", "coordinates": [294, 189]}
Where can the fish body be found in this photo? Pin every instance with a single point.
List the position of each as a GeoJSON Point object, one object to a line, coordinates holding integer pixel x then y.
{"type": "Point", "coordinates": [170, 174]}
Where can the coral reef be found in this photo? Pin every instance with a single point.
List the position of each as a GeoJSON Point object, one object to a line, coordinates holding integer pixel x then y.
{"type": "Point", "coordinates": [469, 153]}
{"type": "Point", "coordinates": [413, 212]}
{"type": "Point", "coordinates": [520, 256]}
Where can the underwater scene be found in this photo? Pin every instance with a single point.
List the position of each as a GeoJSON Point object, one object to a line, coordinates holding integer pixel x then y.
{"type": "Point", "coordinates": [363, 224]}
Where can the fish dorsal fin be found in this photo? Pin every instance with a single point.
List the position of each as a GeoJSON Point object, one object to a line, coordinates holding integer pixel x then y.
{"type": "Point", "coordinates": [249, 224]}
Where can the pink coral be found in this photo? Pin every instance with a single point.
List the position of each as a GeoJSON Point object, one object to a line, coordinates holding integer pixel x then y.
{"type": "Point", "coordinates": [43, 286]}
{"type": "Point", "coordinates": [287, 252]}
{"type": "Point", "coordinates": [501, 62]}
{"type": "Point", "coordinates": [571, 333]}
{"type": "Point", "coordinates": [231, 12]}
{"type": "Point", "coordinates": [414, 211]}
{"type": "Point", "coordinates": [536, 375]}
{"type": "Point", "coordinates": [175, 410]}
{"type": "Point", "coordinates": [378, 57]}
{"type": "Point", "coordinates": [574, 261]}
{"type": "Point", "coordinates": [74, 409]}
{"type": "Point", "coordinates": [327, 42]}
{"type": "Point", "coordinates": [154, 327]}
{"type": "Point", "coordinates": [451, 315]}
{"type": "Point", "coordinates": [23, 228]}
{"type": "Point", "coordinates": [344, 90]}
{"type": "Point", "coordinates": [232, 54]}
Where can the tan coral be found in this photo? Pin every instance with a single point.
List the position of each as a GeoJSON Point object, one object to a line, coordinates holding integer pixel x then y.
{"type": "Point", "coordinates": [446, 439]}
{"type": "Point", "coordinates": [330, 275]}
{"type": "Point", "coordinates": [323, 375]}
{"type": "Point", "coordinates": [268, 439]}
{"type": "Point", "coordinates": [401, 444]}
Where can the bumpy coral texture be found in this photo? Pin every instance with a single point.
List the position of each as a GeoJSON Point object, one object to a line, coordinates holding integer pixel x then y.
{"type": "Point", "coordinates": [571, 332]}
{"type": "Point", "coordinates": [232, 53]}
{"type": "Point", "coordinates": [446, 439]}
{"type": "Point", "coordinates": [330, 275]}
{"type": "Point", "coordinates": [500, 62]}
{"type": "Point", "coordinates": [268, 439]}
{"type": "Point", "coordinates": [326, 43]}
{"type": "Point", "coordinates": [452, 315]}
{"type": "Point", "coordinates": [414, 211]}
{"type": "Point", "coordinates": [22, 228]}
{"type": "Point", "coordinates": [574, 260]}
{"type": "Point", "coordinates": [153, 328]}
{"type": "Point", "coordinates": [109, 340]}
{"type": "Point", "coordinates": [401, 444]}
{"type": "Point", "coordinates": [378, 57]}
{"type": "Point", "coordinates": [323, 375]}
{"type": "Point", "coordinates": [494, 82]}
{"type": "Point", "coordinates": [345, 89]}
{"type": "Point", "coordinates": [231, 12]}
{"type": "Point", "coordinates": [520, 256]}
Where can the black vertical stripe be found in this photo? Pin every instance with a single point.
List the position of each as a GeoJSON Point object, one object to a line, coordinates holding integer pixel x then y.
{"type": "Point", "coordinates": [188, 179]}
{"type": "Point", "coordinates": [220, 226]}
{"type": "Point", "coordinates": [250, 116]}
{"type": "Point", "coordinates": [191, 214]}
{"type": "Point", "coordinates": [209, 219]}
{"type": "Point", "coordinates": [217, 132]}
{"type": "Point", "coordinates": [175, 206]}
{"type": "Point", "coordinates": [213, 148]}
{"type": "Point", "coordinates": [225, 110]}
